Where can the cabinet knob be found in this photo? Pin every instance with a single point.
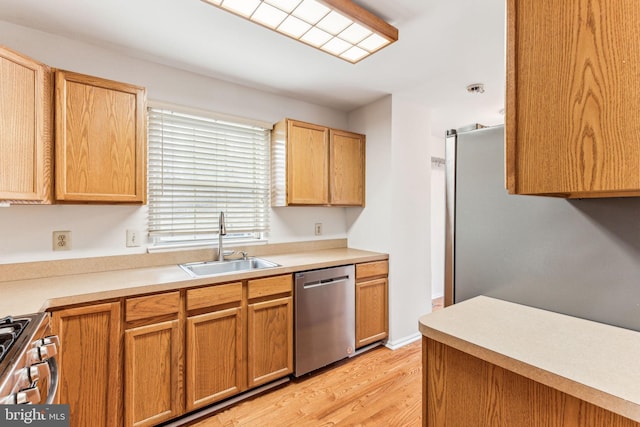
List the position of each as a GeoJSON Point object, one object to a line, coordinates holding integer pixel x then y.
{"type": "Point", "coordinates": [47, 351]}
{"type": "Point", "coordinates": [39, 370]}
{"type": "Point", "coordinates": [28, 395]}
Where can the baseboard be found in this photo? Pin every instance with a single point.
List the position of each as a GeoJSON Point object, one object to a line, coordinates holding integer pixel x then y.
{"type": "Point", "coordinates": [396, 344]}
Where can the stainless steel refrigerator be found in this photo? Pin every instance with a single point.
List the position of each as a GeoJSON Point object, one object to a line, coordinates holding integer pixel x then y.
{"type": "Point", "coordinates": [577, 257]}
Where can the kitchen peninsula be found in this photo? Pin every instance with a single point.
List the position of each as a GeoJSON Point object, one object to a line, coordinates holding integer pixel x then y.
{"type": "Point", "coordinates": [492, 362]}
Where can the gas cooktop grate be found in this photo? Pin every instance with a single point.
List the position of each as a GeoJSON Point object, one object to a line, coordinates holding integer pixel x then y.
{"type": "Point", "coordinates": [10, 330]}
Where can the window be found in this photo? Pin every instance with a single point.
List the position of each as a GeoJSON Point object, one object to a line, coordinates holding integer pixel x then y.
{"type": "Point", "coordinates": [199, 166]}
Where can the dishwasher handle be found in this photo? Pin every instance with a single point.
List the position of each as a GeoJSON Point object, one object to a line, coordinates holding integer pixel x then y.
{"type": "Point", "coordinates": [325, 282]}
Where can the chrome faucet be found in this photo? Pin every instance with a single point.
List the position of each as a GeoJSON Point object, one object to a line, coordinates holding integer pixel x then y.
{"type": "Point", "coordinates": [222, 231]}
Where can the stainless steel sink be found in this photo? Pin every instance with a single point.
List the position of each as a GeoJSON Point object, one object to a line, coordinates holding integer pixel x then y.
{"type": "Point", "coordinates": [213, 268]}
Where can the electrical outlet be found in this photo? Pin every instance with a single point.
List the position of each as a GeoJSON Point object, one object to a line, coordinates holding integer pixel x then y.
{"type": "Point", "coordinates": [62, 240]}
{"type": "Point", "coordinates": [133, 238]}
{"type": "Point", "coordinates": [318, 228]}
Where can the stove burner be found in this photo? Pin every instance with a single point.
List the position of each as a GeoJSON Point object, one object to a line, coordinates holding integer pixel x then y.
{"type": "Point", "coordinates": [10, 330]}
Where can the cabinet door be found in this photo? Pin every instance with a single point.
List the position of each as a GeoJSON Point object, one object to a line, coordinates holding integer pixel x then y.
{"type": "Point", "coordinates": [90, 360]}
{"type": "Point", "coordinates": [214, 356]}
{"type": "Point", "coordinates": [347, 168]}
{"type": "Point", "coordinates": [307, 164]}
{"type": "Point", "coordinates": [153, 389]}
{"type": "Point", "coordinates": [573, 98]}
{"type": "Point", "coordinates": [270, 343]}
{"type": "Point", "coordinates": [100, 140]}
{"type": "Point", "coordinates": [26, 133]}
{"type": "Point", "coordinates": [372, 312]}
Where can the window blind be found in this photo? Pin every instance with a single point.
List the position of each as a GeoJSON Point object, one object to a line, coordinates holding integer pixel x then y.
{"type": "Point", "coordinates": [200, 166]}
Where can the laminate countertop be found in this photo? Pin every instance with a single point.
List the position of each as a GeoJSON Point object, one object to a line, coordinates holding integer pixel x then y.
{"type": "Point", "coordinates": [40, 294]}
{"type": "Point", "coordinates": [592, 361]}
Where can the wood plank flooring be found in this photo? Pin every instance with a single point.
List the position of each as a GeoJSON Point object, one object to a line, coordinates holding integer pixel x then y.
{"type": "Point", "coordinates": [381, 387]}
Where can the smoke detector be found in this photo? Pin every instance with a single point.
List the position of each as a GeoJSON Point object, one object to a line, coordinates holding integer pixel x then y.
{"type": "Point", "coordinates": [476, 88]}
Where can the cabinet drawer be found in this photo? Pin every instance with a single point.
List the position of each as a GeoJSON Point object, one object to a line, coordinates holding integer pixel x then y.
{"type": "Point", "coordinates": [270, 286]}
{"type": "Point", "coordinates": [214, 295]}
{"type": "Point", "coordinates": [152, 306]}
{"type": "Point", "coordinates": [372, 269]}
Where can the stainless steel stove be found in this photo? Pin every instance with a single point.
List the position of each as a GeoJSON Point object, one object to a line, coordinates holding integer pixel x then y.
{"type": "Point", "coordinates": [28, 368]}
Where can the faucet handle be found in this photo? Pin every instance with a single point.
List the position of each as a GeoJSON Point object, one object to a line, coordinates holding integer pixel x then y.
{"type": "Point", "coordinates": [244, 254]}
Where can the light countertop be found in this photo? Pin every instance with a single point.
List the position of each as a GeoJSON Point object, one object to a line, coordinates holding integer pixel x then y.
{"type": "Point", "coordinates": [592, 361]}
{"type": "Point", "coordinates": [33, 295]}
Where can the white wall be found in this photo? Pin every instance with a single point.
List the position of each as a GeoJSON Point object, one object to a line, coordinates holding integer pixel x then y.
{"type": "Point", "coordinates": [398, 149]}
{"type": "Point", "coordinates": [370, 228]}
{"type": "Point", "coordinates": [25, 231]}
{"type": "Point", "coordinates": [296, 224]}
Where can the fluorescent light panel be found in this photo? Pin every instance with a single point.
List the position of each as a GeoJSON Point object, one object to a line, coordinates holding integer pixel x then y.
{"type": "Point", "coordinates": [338, 27]}
{"type": "Point", "coordinates": [269, 15]}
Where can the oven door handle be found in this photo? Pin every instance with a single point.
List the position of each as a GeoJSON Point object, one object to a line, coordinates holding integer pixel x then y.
{"type": "Point", "coordinates": [53, 382]}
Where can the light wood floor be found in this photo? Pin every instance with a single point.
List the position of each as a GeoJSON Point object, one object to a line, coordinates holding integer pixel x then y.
{"type": "Point", "coordinates": [378, 388]}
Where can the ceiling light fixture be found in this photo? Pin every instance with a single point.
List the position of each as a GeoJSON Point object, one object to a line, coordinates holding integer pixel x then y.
{"type": "Point", "coordinates": [338, 27]}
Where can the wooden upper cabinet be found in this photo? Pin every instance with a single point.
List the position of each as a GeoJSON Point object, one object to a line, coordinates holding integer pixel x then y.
{"type": "Point", "coordinates": [26, 129]}
{"type": "Point", "coordinates": [573, 98]}
{"type": "Point", "coordinates": [307, 165]}
{"type": "Point", "coordinates": [100, 142]}
{"type": "Point", "coordinates": [347, 160]}
{"type": "Point", "coordinates": [316, 165]}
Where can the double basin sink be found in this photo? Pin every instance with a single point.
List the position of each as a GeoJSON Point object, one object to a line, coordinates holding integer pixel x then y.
{"type": "Point", "coordinates": [214, 268]}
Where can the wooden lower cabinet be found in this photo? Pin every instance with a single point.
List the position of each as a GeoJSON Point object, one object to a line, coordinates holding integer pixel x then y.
{"type": "Point", "coordinates": [214, 356]}
{"type": "Point", "coordinates": [90, 362]}
{"type": "Point", "coordinates": [372, 302]}
{"type": "Point", "coordinates": [153, 390]}
{"type": "Point", "coordinates": [143, 360]}
{"type": "Point", "coordinates": [372, 313]}
{"type": "Point", "coordinates": [270, 341]}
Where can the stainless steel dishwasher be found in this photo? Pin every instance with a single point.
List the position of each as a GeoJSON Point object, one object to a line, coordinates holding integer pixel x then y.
{"type": "Point", "coordinates": [324, 317]}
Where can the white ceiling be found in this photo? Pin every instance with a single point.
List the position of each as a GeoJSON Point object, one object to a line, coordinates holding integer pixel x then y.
{"type": "Point", "coordinates": [443, 46]}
